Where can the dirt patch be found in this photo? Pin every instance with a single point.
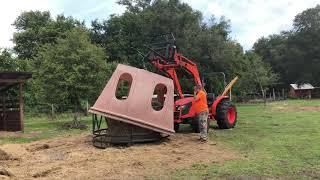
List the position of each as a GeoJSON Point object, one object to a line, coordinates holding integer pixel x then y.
{"type": "Point", "coordinates": [4, 156]}
{"type": "Point", "coordinates": [309, 108]}
{"type": "Point", "coordinates": [6, 134]}
{"type": "Point", "coordinates": [37, 147]}
{"type": "Point", "coordinates": [75, 157]}
{"type": "Point", "coordinates": [5, 172]}
{"type": "Point", "coordinates": [72, 125]}
{"type": "Point", "coordinates": [45, 173]}
{"type": "Point", "coordinates": [296, 108]}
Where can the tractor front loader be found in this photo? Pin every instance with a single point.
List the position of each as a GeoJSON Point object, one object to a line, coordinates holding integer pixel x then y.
{"type": "Point", "coordinates": [154, 104]}
{"type": "Point", "coordinates": [166, 59]}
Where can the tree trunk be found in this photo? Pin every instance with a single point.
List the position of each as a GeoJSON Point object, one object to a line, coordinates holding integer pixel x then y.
{"type": "Point", "coordinates": [52, 112]}
{"type": "Point", "coordinates": [274, 94]}
{"type": "Point", "coordinates": [76, 115]}
{"type": "Point", "coordinates": [263, 95]}
{"type": "Point", "coordinates": [87, 108]}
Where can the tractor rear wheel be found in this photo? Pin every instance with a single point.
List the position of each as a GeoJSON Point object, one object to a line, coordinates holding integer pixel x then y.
{"type": "Point", "coordinates": [226, 114]}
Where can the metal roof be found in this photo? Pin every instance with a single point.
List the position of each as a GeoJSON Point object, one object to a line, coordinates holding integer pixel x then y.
{"type": "Point", "coordinates": [15, 75]}
{"type": "Point", "coordinates": [302, 86]}
{"type": "Point", "coordinates": [9, 79]}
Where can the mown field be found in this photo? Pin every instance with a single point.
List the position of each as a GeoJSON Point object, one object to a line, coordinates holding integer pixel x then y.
{"type": "Point", "coordinates": [279, 140]}
{"type": "Point", "coordinates": [38, 127]}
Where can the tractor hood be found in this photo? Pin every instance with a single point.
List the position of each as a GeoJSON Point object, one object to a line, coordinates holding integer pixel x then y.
{"type": "Point", "coordinates": [184, 101]}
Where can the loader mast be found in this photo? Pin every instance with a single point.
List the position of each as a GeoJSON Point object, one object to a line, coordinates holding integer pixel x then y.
{"type": "Point", "coordinates": [167, 60]}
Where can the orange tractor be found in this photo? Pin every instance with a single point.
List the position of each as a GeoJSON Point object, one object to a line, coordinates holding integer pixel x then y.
{"type": "Point", "coordinates": [131, 119]}
{"type": "Point", "coordinates": [165, 58]}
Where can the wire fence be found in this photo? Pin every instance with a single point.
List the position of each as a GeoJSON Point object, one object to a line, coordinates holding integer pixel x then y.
{"type": "Point", "coordinates": [54, 110]}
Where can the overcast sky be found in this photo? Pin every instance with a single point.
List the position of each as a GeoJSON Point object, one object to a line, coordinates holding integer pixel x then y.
{"type": "Point", "coordinates": [250, 19]}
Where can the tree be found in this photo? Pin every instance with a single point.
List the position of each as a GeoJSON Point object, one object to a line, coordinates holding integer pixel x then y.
{"type": "Point", "coordinates": [36, 28]}
{"type": "Point", "coordinates": [295, 54]}
{"type": "Point", "coordinates": [256, 73]}
{"type": "Point", "coordinates": [7, 62]}
{"type": "Point", "coordinates": [273, 51]}
{"type": "Point", "coordinates": [209, 45]}
{"type": "Point", "coordinates": [304, 46]}
{"type": "Point", "coordinates": [71, 70]}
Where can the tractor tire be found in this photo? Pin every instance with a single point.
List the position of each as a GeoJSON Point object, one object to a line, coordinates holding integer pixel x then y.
{"type": "Point", "coordinates": [226, 114]}
{"type": "Point", "coordinates": [176, 127]}
{"type": "Point", "coordinates": [195, 125]}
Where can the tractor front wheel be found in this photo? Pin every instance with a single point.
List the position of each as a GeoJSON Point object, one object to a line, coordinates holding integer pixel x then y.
{"type": "Point", "coordinates": [195, 125]}
{"type": "Point", "coordinates": [226, 114]}
{"type": "Point", "coordinates": [176, 127]}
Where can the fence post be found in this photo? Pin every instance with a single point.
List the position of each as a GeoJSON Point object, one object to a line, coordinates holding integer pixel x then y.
{"type": "Point", "coordinates": [87, 108]}
{"type": "Point", "coordinates": [274, 95]}
{"type": "Point", "coordinates": [52, 111]}
{"type": "Point", "coordinates": [21, 106]}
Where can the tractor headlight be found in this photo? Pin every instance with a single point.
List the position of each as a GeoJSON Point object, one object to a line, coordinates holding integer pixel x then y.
{"type": "Point", "coordinates": [186, 108]}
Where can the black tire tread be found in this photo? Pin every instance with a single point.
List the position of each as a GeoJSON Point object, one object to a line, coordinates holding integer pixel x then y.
{"type": "Point", "coordinates": [176, 127]}
{"type": "Point", "coordinates": [221, 117]}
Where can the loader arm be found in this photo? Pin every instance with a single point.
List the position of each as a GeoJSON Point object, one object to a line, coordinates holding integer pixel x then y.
{"type": "Point", "coordinates": [169, 68]}
{"type": "Point", "coordinates": [229, 86]}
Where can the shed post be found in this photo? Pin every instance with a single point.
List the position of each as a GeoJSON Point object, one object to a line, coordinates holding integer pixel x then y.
{"type": "Point", "coordinates": [310, 92]}
{"type": "Point", "coordinates": [21, 105]}
{"type": "Point", "coordinates": [4, 123]}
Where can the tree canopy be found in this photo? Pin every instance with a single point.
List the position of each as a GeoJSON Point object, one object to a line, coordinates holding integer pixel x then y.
{"type": "Point", "coordinates": [294, 54]}
{"type": "Point", "coordinates": [71, 70]}
{"type": "Point", "coordinates": [71, 62]}
{"type": "Point", "coordinates": [36, 28]}
{"type": "Point", "coordinates": [7, 62]}
{"type": "Point", "coordinates": [207, 44]}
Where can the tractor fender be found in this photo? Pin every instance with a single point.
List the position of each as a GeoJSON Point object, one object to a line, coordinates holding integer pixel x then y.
{"type": "Point", "coordinates": [215, 104]}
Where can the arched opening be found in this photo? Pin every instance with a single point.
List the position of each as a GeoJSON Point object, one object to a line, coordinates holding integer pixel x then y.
{"type": "Point", "coordinates": [159, 96]}
{"type": "Point", "coordinates": [123, 86]}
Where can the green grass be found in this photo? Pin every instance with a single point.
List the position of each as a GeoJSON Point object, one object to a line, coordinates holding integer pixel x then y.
{"type": "Point", "coordinates": [271, 142]}
{"type": "Point", "coordinates": [276, 141]}
{"type": "Point", "coordinates": [42, 127]}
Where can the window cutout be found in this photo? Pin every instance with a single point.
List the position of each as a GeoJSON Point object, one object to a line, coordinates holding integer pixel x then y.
{"type": "Point", "coordinates": [159, 96]}
{"type": "Point", "coordinates": [123, 86]}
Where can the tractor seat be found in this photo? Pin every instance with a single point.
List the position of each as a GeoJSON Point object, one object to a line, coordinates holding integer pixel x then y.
{"type": "Point", "coordinates": [210, 98]}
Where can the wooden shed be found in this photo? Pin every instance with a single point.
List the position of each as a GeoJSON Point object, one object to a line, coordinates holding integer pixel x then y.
{"type": "Point", "coordinates": [301, 91]}
{"type": "Point", "coordinates": [11, 100]}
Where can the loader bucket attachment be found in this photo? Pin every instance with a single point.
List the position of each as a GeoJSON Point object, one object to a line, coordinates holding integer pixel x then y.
{"type": "Point", "coordinates": [136, 98]}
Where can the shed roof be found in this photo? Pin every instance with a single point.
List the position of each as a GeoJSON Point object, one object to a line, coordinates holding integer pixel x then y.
{"type": "Point", "coordinates": [8, 79]}
{"type": "Point", "coordinates": [305, 86]}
